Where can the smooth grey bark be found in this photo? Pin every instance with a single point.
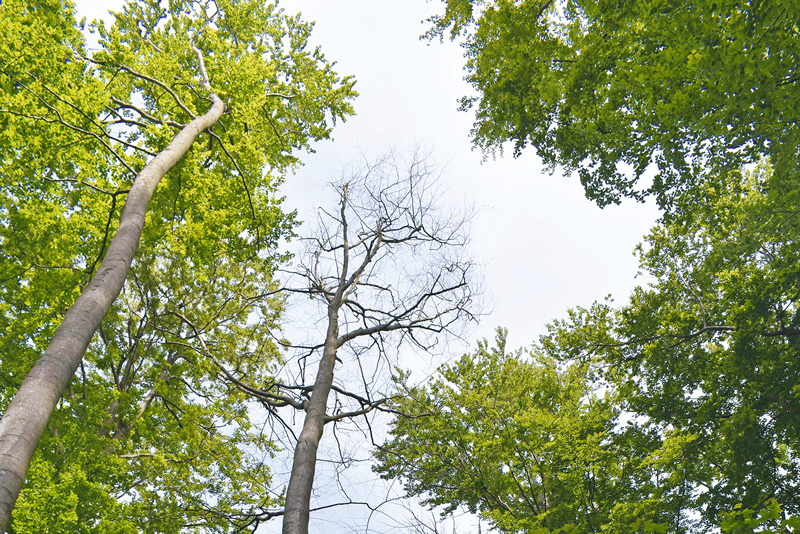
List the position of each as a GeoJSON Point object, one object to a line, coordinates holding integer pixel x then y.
{"type": "Point", "coordinates": [298, 493]}
{"type": "Point", "coordinates": [26, 417]}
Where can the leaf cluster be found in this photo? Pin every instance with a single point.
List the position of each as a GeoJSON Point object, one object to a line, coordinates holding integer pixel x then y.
{"type": "Point", "coordinates": [609, 89]}
{"type": "Point", "coordinates": [528, 443]}
{"type": "Point", "coordinates": [711, 345]}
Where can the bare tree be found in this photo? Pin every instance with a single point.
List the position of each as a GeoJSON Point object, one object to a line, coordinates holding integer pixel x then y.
{"type": "Point", "coordinates": [387, 267]}
{"type": "Point", "coordinates": [386, 270]}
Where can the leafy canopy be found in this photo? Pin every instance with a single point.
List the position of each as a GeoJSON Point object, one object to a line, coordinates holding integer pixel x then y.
{"type": "Point", "coordinates": [147, 438]}
{"type": "Point", "coordinates": [529, 444]}
{"type": "Point", "coordinates": [708, 351]}
{"type": "Point", "coordinates": [713, 344]}
{"type": "Point", "coordinates": [608, 88]}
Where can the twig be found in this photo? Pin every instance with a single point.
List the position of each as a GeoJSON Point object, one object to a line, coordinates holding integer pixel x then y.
{"type": "Point", "coordinates": [150, 79]}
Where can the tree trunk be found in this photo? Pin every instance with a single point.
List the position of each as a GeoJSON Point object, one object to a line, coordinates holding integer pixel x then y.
{"type": "Point", "coordinates": [298, 494]}
{"type": "Point", "coordinates": [27, 415]}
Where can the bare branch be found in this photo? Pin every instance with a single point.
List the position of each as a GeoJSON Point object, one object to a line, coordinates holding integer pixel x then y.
{"type": "Point", "coordinates": [147, 78]}
{"type": "Point", "coordinates": [266, 396]}
{"type": "Point", "coordinates": [386, 267]}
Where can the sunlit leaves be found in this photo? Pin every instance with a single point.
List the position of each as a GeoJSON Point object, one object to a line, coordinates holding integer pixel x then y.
{"type": "Point", "coordinates": [709, 349]}
{"type": "Point", "coordinates": [147, 438]}
{"type": "Point", "coordinates": [606, 89]}
{"type": "Point", "coordinates": [526, 442]}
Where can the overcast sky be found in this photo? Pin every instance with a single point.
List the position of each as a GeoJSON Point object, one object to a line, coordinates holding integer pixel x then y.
{"type": "Point", "coordinates": [545, 247]}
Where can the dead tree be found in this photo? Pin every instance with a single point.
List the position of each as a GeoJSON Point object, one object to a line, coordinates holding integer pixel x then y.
{"type": "Point", "coordinates": [387, 267]}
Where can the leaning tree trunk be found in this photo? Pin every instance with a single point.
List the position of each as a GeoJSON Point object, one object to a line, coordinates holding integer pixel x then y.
{"type": "Point", "coordinates": [298, 494]}
{"type": "Point", "coordinates": [27, 415]}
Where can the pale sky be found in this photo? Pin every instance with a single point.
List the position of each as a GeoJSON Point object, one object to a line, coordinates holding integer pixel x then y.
{"type": "Point", "coordinates": [544, 246]}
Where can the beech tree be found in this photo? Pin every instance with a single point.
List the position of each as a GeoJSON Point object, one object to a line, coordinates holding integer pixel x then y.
{"type": "Point", "coordinates": [703, 91]}
{"type": "Point", "coordinates": [607, 89]}
{"type": "Point", "coordinates": [709, 349]}
{"type": "Point", "coordinates": [698, 431]}
{"type": "Point", "coordinates": [146, 438]}
{"type": "Point", "coordinates": [705, 354]}
{"type": "Point", "coordinates": [82, 131]}
{"type": "Point", "coordinates": [528, 442]}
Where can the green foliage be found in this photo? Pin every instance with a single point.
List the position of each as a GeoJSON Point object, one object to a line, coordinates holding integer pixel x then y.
{"type": "Point", "coordinates": [707, 351]}
{"type": "Point", "coordinates": [69, 501]}
{"type": "Point", "coordinates": [770, 520]}
{"type": "Point", "coordinates": [702, 362]}
{"type": "Point", "coordinates": [712, 345]}
{"type": "Point", "coordinates": [699, 423]}
{"type": "Point", "coordinates": [148, 438]}
{"type": "Point", "coordinates": [609, 88]}
{"type": "Point", "coordinates": [526, 442]}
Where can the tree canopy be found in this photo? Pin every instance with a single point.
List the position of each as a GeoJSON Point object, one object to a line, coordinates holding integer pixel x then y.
{"type": "Point", "coordinates": [700, 362]}
{"type": "Point", "coordinates": [146, 436]}
{"type": "Point", "coordinates": [698, 421]}
{"type": "Point", "coordinates": [528, 443]}
{"type": "Point", "coordinates": [606, 89]}
{"type": "Point", "coordinates": [709, 349]}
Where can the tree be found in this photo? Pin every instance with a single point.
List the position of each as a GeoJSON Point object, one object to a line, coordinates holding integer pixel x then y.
{"type": "Point", "coordinates": [529, 444]}
{"type": "Point", "coordinates": [75, 128]}
{"type": "Point", "coordinates": [705, 91]}
{"type": "Point", "coordinates": [387, 268]}
{"type": "Point", "coordinates": [147, 437]}
{"type": "Point", "coordinates": [710, 348]}
{"type": "Point", "coordinates": [607, 89]}
{"type": "Point", "coordinates": [699, 369]}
